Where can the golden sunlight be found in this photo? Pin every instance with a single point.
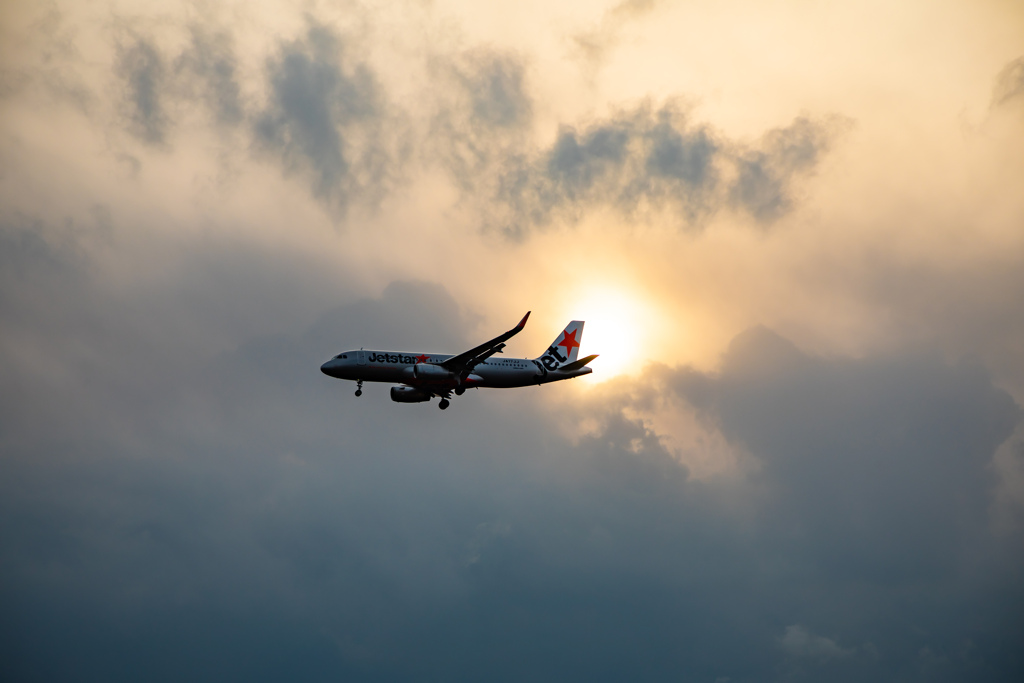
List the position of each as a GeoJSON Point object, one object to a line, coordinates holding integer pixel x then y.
{"type": "Point", "coordinates": [617, 328]}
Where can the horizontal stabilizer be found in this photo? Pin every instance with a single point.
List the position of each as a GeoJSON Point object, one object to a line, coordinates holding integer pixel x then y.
{"type": "Point", "coordinates": [577, 364]}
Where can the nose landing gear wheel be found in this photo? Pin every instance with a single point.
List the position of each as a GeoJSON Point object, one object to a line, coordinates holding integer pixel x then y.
{"type": "Point", "coordinates": [443, 405]}
{"type": "Point", "coordinates": [359, 388]}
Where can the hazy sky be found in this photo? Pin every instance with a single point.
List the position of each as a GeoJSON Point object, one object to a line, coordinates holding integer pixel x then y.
{"type": "Point", "coordinates": [796, 233]}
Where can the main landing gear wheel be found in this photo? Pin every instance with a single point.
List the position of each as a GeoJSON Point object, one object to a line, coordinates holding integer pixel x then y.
{"type": "Point", "coordinates": [443, 405]}
{"type": "Point", "coordinates": [459, 391]}
{"type": "Point", "coordinates": [359, 388]}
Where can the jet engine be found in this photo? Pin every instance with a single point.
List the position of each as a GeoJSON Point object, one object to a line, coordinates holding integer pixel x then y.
{"type": "Point", "coordinates": [408, 395]}
{"type": "Point", "coordinates": [431, 373]}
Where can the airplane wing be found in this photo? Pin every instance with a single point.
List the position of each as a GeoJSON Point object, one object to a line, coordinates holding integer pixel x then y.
{"type": "Point", "coordinates": [464, 363]}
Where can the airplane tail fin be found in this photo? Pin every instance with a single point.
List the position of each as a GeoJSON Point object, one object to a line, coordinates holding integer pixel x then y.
{"type": "Point", "coordinates": [566, 347]}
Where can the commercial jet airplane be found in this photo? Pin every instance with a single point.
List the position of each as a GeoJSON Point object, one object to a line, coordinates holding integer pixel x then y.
{"type": "Point", "coordinates": [425, 375]}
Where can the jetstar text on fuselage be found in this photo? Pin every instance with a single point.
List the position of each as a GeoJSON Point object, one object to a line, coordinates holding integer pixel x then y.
{"type": "Point", "coordinates": [376, 357]}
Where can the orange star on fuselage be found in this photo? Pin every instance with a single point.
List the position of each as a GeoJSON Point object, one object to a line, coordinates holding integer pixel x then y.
{"type": "Point", "coordinates": [569, 342]}
{"type": "Point", "coordinates": [422, 359]}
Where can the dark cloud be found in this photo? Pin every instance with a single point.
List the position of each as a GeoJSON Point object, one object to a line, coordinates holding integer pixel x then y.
{"type": "Point", "coordinates": [595, 44]}
{"type": "Point", "coordinates": [1009, 83]}
{"type": "Point", "coordinates": [211, 59]}
{"type": "Point", "coordinates": [639, 161]}
{"type": "Point", "coordinates": [800, 643]}
{"type": "Point", "coordinates": [970, 310]}
{"type": "Point", "coordinates": [874, 472]}
{"type": "Point", "coordinates": [323, 117]}
{"type": "Point", "coordinates": [144, 73]}
{"type": "Point", "coordinates": [649, 160]}
{"type": "Point", "coordinates": [326, 118]}
{"type": "Point", "coordinates": [763, 186]}
{"type": "Point", "coordinates": [44, 276]}
{"type": "Point", "coordinates": [242, 516]}
{"type": "Point", "coordinates": [495, 85]}
{"type": "Point", "coordinates": [843, 442]}
{"type": "Point", "coordinates": [483, 115]}
{"type": "Point", "coordinates": [423, 314]}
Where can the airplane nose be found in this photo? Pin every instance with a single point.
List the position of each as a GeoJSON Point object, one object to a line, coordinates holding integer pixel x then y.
{"type": "Point", "coordinates": [326, 367]}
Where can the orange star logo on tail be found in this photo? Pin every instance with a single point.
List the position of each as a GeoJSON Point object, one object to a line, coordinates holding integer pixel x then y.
{"type": "Point", "coordinates": [569, 342]}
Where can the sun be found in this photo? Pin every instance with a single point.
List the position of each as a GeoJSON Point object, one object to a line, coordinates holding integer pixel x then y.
{"type": "Point", "coordinates": [616, 328]}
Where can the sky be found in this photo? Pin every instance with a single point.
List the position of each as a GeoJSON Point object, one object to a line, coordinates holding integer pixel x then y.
{"type": "Point", "coordinates": [795, 231]}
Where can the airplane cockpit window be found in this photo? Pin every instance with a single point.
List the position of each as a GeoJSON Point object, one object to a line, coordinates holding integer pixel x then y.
{"type": "Point", "coordinates": [344, 355]}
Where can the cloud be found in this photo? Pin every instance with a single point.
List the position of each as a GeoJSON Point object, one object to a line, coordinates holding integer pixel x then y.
{"type": "Point", "coordinates": [495, 85]}
{"type": "Point", "coordinates": [323, 118]}
{"type": "Point", "coordinates": [328, 119]}
{"type": "Point", "coordinates": [763, 186]}
{"type": "Point", "coordinates": [211, 59]}
{"type": "Point", "coordinates": [45, 278]}
{"type": "Point", "coordinates": [1009, 83]}
{"type": "Point", "coordinates": [250, 495]}
{"type": "Point", "coordinates": [798, 642]}
{"type": "Point", "coordinates": [142, 68]}
{"type": "Point", "coordinates": [423, 311]}
{"type": "Point", "coordinates": [43, 55]}
{"type": "Point", "coordinates": [641, 161]}
{"type": "Point", "coordinates": [483, 113]}
{"type": "Point", "coordinates": [645, 160]}
{"type": "Point", "coordinates": [155, 86]}
{"type": "Point", "coordinates": [842, 442]}
{"type": "Point", "coordinates": [595, 44]}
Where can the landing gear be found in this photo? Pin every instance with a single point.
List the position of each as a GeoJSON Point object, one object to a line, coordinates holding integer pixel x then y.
{"type": "Point", "coordinates": [459, 391]}
{"type": "Point", "coordinates": [443, 405]}
{"type": "Point", "coordinates": [359, 387]}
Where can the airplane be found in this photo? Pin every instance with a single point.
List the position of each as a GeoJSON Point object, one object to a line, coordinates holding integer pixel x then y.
{"type": "Point", "coordinates": [425, 375]}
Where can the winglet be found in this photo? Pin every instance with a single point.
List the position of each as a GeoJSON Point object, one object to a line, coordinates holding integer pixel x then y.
{"type": "Point", "coordinates": [465, 362]}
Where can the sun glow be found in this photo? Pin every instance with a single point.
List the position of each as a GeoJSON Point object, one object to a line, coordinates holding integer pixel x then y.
{"type": "Point", "coordinates": [617, 328]}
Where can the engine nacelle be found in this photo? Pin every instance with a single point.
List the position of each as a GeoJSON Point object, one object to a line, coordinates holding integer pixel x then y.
{"type": "Point", "coordinates": [408, 395]}
{"type": "Point", "coordinates": [428, 372]}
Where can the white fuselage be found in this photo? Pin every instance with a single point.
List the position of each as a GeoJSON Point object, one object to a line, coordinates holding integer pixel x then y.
{"type": "Point", "coordinates": [423, 370]}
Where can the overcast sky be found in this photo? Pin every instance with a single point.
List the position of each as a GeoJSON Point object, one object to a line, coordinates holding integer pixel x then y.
{"type": "Point", "coordinates": [795, 231]}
